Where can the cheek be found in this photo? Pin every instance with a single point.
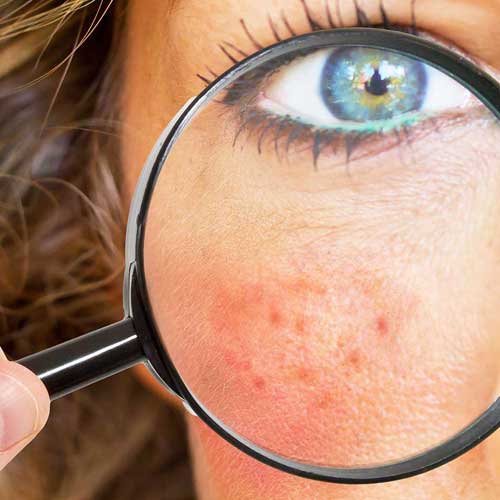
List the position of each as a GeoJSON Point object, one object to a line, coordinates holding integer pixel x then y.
{"type": "Point", "coordinates": [315, 353]}
{"type": "Point", "coordinates": [315, 364]}
{"type": "Point", "coordinates": [307, 350]}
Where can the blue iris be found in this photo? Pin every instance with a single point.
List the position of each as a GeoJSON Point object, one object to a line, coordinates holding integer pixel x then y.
{"type": "Point", "coordinates": [363, 84]}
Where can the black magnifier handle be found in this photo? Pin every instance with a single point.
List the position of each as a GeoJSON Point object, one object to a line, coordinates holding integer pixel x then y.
{"type": "Point", "coordinates": [89, 358]}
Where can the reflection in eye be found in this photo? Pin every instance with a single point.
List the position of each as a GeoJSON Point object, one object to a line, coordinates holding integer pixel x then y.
{"type": "Point", "coordinates": [348, 94]}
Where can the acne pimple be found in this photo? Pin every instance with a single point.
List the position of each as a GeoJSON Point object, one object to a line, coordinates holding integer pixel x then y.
{"type": "Point", "coordinates": [300, 324]}
{"type": "Point", "coordinates": [275, 317]}
{"type": "Point", "coordinates": [296, 341]}
{"type": "Point", "coordinates": [259, 383]}
{"type": "Point", "coordinates": [325, 401]}
{"type": "Point", "coordinates": [353, 358]}
{"type": "Point", "coordinates": [305, 375]}
{"type": "Point", "coordinates": [382, 326]}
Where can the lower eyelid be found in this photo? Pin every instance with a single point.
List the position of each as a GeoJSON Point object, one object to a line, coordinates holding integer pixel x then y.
{"type": "Point", "coordinates": [272, 134]}
{"type": "Point", "coordinates": [285, 132]}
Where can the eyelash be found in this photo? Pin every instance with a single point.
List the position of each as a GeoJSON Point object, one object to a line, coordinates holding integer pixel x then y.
{"type": "Point", "coordinates": [362, 20]}
{"type": "Point", "coordinates": [264, 124]}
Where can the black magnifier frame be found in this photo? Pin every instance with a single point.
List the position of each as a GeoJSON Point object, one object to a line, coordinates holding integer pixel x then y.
{"type": "Point", "coordinates": [104, 352]}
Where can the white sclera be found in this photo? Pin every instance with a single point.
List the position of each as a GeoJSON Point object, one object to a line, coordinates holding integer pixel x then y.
{"type": "Point", "coordinates": [294, 90]}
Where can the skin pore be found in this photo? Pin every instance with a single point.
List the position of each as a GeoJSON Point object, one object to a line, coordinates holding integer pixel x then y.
{"type": "Point", "coordinates": [389, 275]}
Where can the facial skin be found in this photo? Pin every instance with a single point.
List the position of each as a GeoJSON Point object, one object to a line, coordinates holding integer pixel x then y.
{"type": "Point", "coordinates": [336, 295]}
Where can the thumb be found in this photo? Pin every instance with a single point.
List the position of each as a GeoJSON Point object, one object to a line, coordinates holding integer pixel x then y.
{"type": "Point", "coordinates": [24, 408]}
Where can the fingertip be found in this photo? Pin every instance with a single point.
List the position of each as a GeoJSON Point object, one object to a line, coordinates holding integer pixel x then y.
{"type": "Point", "coordinates": [33, 384]}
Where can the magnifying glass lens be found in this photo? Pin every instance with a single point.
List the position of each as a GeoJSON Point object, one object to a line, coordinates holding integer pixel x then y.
{"type": "Point", "coordinates": [318, 255]}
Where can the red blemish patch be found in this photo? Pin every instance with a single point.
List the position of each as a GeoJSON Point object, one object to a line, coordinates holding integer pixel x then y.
{"type": "Point", "coordinates": [305, 375]}
{"type": "Point", "coordinates": [275, 317]}
{"type": "Point", "coordinates": [336, 369]}
{"type": "Point", "coordinates": [279, 377]}
{"type": "Point", "coordinates": [353, 358]}
{"type": "Point", "coordinates": [382, 326]}
{"type": "Point", "coordinates": [259, 383]}
{"type": "Point", "coordinates": [325, 401]}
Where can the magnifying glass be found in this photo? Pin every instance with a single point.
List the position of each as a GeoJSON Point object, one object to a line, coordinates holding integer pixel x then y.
{"type": "Point", "coordinates": [320, 405]}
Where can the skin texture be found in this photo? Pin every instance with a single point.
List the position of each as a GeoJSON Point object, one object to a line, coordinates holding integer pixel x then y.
{"type": "Point", "coordinates": [367, 302]}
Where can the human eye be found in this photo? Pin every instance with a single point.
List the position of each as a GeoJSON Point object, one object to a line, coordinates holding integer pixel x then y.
{"type": "Point", "coordinates": [349, 97]}
{"type": "Point", "coordinates": [359, 89]}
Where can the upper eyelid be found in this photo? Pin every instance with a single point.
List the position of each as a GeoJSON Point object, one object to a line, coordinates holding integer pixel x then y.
{"type": "Point", "coordinates": [236, 54]}
{"type": "Point", "coordinates": [331, 18]}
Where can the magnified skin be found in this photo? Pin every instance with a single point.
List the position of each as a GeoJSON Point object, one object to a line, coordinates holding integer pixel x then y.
{"type": "Point", "coordinates": [304, 312]}
{"type": "Point", "coordinates": [346, 319]}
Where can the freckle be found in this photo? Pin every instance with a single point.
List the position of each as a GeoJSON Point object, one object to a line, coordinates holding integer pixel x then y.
{"type": "Point", "coordinates": [259, 383]}
{"type": "Point", "coordinates": [382, 326]}
{"type": "Point", "coordinates": [300, 324]}
{"type": "Point", "coordinates": [341, 342]}
{"type": "Point", "coordinates": [275, 317]}
{"type": "Point", "coordinates": [325, 401]}
{"type": "Point", "coordinates": [305, 375]}
{"type": "Point", "coordinates": [353, 357]}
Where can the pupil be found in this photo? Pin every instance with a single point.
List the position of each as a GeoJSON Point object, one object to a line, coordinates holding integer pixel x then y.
{"type": "Point", "coordinates": [377, 85]}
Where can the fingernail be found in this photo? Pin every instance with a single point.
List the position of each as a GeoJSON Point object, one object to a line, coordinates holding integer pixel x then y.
{"type": "Point", "coordinates": [18, 412]}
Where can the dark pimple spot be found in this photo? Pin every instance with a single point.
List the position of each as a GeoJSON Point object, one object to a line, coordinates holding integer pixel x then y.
{"type": "Point", "coordinates": [259, 383]}
{"type": "Point", "coordinates": [353, 358]}
{"type": "Point", "coordinates": [275, 317]}
{"type": "Point", "coordinates": [382, 326]}
{"type": "Point", "coordinates": [300, 324]}
{"type": "Point", "coordinates": [305, 375]}
{"type": "Point", "coordinates": [325, 401]}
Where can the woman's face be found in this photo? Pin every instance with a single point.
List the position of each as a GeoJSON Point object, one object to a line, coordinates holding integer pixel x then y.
{"type": "Point", "coordinates": [387, 270]}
